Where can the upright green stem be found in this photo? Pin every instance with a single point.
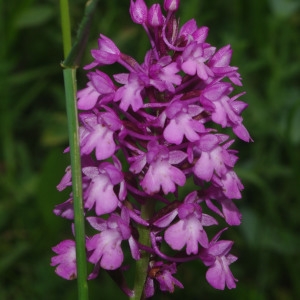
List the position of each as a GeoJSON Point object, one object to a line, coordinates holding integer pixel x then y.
{"type": "Point", "coordinates": [66, 27]}
{"type": "Point", "coordinates": [70, 91]}
{"type": "Point", "coordinates": [141, 269]}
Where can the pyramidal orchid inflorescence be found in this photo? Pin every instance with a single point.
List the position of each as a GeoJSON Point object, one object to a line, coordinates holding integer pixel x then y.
{"type": "Point", "coordinates": [153, 134]}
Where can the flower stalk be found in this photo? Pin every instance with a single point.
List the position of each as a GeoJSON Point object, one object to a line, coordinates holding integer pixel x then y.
{"type": "Point", "coordinates": [141, 266]}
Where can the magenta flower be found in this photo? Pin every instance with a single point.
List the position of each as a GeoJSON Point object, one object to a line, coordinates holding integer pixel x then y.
{"type": "Point", "coordinates": [100, 191]}
{"type": "Point", "coordinates": [108, 53]}
{"type": "Point", "coordinates": [225, 111]}
{"type": "Point", "coordinates": [87, 97]}
{"type": "Point", "coordinates": [218, 259]}
{"type": "Point", "coordinates": [214, 159]}
{"type": "Point", "coordinates": [66, 180]}
{"type": "Point", "coordinates": [98, 134]}
{"type": "Point", "coordinates": [105, 247]}
{"type": "Point", "coordinates": [193, 60]}
{"type": "Point", "coordinates": [161, 173]}
{"type": "Point", "coordinates": [100, 89]}
{"type": "Point", "coordinates": [163, 275]}
{"type": "Point", "coordinates": [232, 185]}
{"type": "Point", "coordinates": [219, 64]}
{"type": "Point", "coordinates": [182, 124]}
{"type": "Point", "coordinates": [189, 231]}
{"type": "Point", "coordinates": [65, 210]}
{"type": "Point", "coordinates": [130, 93]}
{"type": "Point", "coordinates": [190, 32]}
{"type": "Point", "coordinates": [65, 260]}
{"type": "Point", "coordinates": [163, 74]}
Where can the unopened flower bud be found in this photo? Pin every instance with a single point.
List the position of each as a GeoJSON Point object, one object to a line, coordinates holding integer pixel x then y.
{"type": "Point", "coordinates": [171, 5]}
{"type": "Point", "coordinates": [155, 17]}
{"type": "Point", "coordinates": [138, 11]}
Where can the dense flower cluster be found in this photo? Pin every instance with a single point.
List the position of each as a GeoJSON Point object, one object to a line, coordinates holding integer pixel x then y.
{"type": "Point", "coordinates": [143, 134]}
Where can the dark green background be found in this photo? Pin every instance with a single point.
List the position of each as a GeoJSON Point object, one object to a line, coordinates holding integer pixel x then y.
{"type": "Point", "coordinates": [265, 37]}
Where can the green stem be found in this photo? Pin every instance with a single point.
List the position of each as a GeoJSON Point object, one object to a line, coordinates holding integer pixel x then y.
{"type": "Point", "coordinates": [141, 269]}
{"type": "Point", "coordinates": [70, 90]}
{"type": "Point", "coordinates": [66, 26]}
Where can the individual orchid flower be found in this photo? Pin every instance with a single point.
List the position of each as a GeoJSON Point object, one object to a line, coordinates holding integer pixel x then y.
{"type": "Point", "coordinates": [65, 260]}
{"type": "Point", "coordinates": [98, 134]}
{"type": "Point", "coordinates": [218, 259]}
{"type": "Point", "coordinates": [163, 274]}
{"type": "Point", "coordinates": [161, 173]}
{"type": "Point", "coordinates": [100, 191]}
{"type": "Point", "coordinates": [182, 124]}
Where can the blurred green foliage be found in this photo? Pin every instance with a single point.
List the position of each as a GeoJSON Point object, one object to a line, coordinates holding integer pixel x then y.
{"type": "Point", "coordinates": [33, 133]}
